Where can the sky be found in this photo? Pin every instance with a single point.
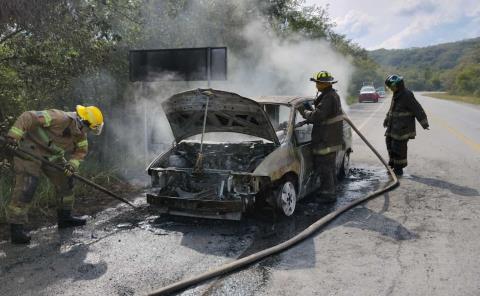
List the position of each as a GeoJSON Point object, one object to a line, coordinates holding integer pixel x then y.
{"type": "Point", "coordinates": [391, 24]}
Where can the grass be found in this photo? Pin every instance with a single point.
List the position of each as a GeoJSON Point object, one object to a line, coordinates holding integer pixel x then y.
{"type": "Point", "coordinates": [446, 96]}
{"type": "Point", "coordinates": [352, 100]}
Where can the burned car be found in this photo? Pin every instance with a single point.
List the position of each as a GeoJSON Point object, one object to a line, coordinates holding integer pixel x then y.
{"type": "Point", "coordinates": [232, 154]}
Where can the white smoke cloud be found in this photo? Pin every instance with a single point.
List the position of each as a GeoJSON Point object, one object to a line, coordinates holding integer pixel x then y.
{"type": "Point", "coordinates": [263, 64]}
{"type": "Point", "coordinates": [285, 66]}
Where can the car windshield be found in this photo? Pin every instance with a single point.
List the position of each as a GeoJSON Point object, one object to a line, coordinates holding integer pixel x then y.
{"type": "Point", "coordinates": [367, 89]}
{"type": "Point", "coordinates": [279, 116]}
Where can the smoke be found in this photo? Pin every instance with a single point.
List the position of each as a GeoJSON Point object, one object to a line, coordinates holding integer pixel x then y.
{"type": "Point", "coordinates": [260, 63]}
{"type": "Point", "coordinates": [283, 67]}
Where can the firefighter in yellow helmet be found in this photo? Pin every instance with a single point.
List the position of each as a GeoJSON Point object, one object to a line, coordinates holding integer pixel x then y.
{"type": "Point", "coordinates": [60, 137]}
{"type": "Point", "coordinates": [327, 132]}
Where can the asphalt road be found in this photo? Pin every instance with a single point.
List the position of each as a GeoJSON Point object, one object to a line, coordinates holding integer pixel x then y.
{"type": "Point", "coordinates": [421, 239]}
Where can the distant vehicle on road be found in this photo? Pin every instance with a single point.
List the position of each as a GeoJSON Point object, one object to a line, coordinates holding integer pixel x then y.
{"type": "Point", "coordinates": [368, 94]}
{"type": "Point", "coordinates": [381, 91]}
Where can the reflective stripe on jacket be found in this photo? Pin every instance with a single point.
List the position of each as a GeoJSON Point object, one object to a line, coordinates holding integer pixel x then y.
{"type": "Point", "coordinates": [327, 119]}
{"type": "Point", "coordinates": [52, 134]}
{"type": "Point", "coordinates": [400, 119]}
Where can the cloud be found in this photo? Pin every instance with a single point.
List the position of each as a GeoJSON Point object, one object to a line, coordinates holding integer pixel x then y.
{"type": "Point", "coordinates": [354, 23]}
{"type": "Point", "coordinates": [425, 24]}
{"type": "Point", "coordinates": [413, 7]}
{"type": "Point", "coordinates": [400, 24]}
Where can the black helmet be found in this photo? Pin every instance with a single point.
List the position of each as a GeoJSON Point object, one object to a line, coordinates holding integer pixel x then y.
{"type": "Point", "coordinates": [323, 76]}
{"type": "Point", "coordinates": [394, 80]}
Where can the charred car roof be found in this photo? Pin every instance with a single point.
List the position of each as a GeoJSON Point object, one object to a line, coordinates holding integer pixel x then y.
{"type": "Point", "coordinates": [227, 112]}
{"type": "Point", "coordinates": [285, 100]}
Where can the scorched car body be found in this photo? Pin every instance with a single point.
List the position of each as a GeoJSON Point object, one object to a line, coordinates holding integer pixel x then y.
{"type": "Point", "coordinates": [258, 157]}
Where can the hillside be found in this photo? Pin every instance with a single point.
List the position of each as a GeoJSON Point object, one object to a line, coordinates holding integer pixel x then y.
{"type": "Point", "coordinates": [442, 56]}
{"type": "Point", "coordinates": [454, 67]}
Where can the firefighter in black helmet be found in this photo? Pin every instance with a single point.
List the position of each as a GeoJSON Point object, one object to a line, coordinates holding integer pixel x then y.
{"type": "Point", "coordinates": [400, 122]}
{"type": "Point", "coordinates": [327, 132]}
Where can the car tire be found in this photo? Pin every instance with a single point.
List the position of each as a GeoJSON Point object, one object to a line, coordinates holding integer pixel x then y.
{"type": "Point", "coordinates": [345, 167]}
{"type": "Point", "coordinates": [286, 197]}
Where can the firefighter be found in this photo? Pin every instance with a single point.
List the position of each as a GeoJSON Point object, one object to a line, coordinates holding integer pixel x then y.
{"type": "Point", "coordinates": [400, 122]}
{"type": "Point", "coordinates": [327, 132]}
{"type": "Point", "coordinates": [56, 136]}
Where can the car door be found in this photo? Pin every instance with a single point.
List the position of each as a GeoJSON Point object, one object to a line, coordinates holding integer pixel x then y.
{"type": "Point", "coordinates": [302, 138]}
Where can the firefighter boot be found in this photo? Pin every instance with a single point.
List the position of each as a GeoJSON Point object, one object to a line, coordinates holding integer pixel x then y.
{"type": "Point", "coordinates": [65, 219]}
{"type": "Point", "coordinates": [18, 235]}
{"type": "Point", "coordinates": [398, 171]}
{"type": "Point", "coordinates": [327, 185]}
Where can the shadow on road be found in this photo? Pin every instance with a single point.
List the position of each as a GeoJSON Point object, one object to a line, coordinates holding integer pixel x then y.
{"type": "Point", "coordinates": [52, 260]}
{"type": "Point", "coordinates": [359, 217]}
{"type": "Point", "coordinates": [455, 189]}
{"type": "Point", "coordinates": [366, 219]}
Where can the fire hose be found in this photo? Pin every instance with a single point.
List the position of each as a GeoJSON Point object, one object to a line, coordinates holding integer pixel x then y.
{"type": "Point", "coordinates": [243, 262]}
{"type": "Point", "coordinates": [23, 153]}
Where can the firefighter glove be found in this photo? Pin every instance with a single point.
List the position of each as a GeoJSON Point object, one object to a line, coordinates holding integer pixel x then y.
{"type": "Point", "coordinates": [426, 126]}
{"type": "Point", "coordinates": [12, 144]}
{"type": "Point", "coordinates": [5, 164]}
{"type": "Point", "coordinates": [69, 169]}
{"type": "Point", "coordinates": [301, 123]}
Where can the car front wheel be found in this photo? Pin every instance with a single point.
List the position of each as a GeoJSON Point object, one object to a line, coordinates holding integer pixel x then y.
{"type": "Point", "coordinates": [345, 168]}
{"type": "Point", "coordinates": [286, 197]}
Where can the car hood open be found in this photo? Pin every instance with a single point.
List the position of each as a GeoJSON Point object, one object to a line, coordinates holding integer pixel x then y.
{"type": "Point", "coordinates": [227, 112]}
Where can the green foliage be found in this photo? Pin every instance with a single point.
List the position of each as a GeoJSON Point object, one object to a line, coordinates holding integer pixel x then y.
{"type": "Point", "coordinates": [46, 49]}
{"type": "Point", "coordinates": [45, 196]}
{"type": "Point", "coordinates": [467, 80]}
{"type": "Point", "coordinates": [6, 179]}
{"type": "Point", "coordinates": [452, 66]}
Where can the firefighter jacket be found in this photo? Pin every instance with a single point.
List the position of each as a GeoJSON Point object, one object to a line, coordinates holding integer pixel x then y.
{"type": "Point", "coordinates": [51, 134]}
{"type": "Point", "coordinates": [400, 119]}
{"type": "Point", "coordinates": [327, 120]}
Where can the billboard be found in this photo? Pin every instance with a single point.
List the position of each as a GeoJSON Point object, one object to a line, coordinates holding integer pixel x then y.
{"type": "Point", "coordinates": [185, 64]}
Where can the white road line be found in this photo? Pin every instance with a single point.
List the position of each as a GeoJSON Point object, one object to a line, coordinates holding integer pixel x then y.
{"type": "Point", "coordinates": [371, 116]}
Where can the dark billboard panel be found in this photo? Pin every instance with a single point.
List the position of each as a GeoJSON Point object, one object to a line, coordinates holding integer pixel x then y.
{"type": "Point", "coordinates": [186, 64]}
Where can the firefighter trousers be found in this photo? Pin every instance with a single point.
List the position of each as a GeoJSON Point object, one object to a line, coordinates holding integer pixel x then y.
{"type": "Point", "coordinates": [325, 168]}
{"type": "Point", "coordinates": [27, 175]}
{"type": "Point", "coordinates": [397, 152]}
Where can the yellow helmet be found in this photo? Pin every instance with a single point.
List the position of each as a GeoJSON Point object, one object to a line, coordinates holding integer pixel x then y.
{"type": "Point", "coordinates": [92, 116]}
{"type": "Point", "coordinates": [323, 76]}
